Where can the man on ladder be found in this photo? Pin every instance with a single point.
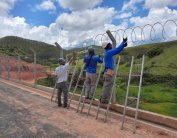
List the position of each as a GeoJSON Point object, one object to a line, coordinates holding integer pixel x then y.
{"type": "Point", "coordinates": [61, 74]}
{"type": "Point", "coordinates": [109, 68]}
{"type": "Point", "coordinates": [91, 61]}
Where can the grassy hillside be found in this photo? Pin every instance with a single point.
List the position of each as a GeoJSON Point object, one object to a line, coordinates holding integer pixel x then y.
{"type": "Point", "coordinates": [46, 53]}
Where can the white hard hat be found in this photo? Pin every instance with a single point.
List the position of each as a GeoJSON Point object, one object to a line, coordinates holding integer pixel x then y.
{"type": "Point", "coordinates": [104, 44]}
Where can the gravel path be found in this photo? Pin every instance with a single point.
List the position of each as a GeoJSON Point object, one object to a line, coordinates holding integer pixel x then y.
{"type": "Point", "coordinates": [28, 115]}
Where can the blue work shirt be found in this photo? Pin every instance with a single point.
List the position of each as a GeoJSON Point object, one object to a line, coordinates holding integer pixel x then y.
{"type": "Point", "coordinates": [108, 56]}
{"type": "Point", "coordinates": [91, 68]}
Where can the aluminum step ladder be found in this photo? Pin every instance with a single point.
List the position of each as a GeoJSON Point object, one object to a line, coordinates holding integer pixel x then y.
{"type": "Point", "coordinates": [83, 92]}
{"type": "Point", "coordinates": [80, 78]}
{"type": "Point", "coordinates": [54, 93]}
{"type": "Point", "coordinates": [137, 99]}
{"type": "Point", "coordinates": [72, 75]}
{"type": "Point", "coordinates": [111, 95]}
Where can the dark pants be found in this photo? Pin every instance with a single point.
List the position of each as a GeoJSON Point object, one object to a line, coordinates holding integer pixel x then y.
{"type": "Point", "coordinates": [62, 87]}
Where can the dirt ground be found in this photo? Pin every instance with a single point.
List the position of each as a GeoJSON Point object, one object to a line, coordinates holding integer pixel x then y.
{"type": "Point", "coordinates": [27, 114]}
{"type": "Point", "coordinates": [26, 73]}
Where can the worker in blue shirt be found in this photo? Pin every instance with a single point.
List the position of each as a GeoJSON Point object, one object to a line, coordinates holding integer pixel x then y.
{"type": "Point", "coordinates": [109, 68]}
{"type": "Point", "coordinates": [91, 61]}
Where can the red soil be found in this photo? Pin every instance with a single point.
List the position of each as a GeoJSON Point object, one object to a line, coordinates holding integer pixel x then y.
{"type": "Point", "coordinates": [27, 69]}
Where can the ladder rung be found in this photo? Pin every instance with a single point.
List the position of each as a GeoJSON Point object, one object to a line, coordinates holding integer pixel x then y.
{"type": "Point", "coordinates": [134, 86]}
{"type": "Point", "coordinates": [137, 64]}
{"type": "Point", "coordinates": [122, 75]}
{"type": "Point", "coordinates": [133, 98]}
{"type": "Point", "coordinates": [80, 86]}
{"type": "Point", "coordinates": [82, 78]}
{"type": "Point", "coordinates": [135, 75]}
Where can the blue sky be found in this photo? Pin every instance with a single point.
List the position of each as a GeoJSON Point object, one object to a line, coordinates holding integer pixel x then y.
{"type": "Point", "coordinates": [27, 10]}
{"type": "Point", "coordinates": [71, 22]}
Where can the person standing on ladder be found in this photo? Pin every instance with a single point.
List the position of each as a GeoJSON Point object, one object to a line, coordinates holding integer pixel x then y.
{"type": "Point", "coordinates": [91, 61]}
{"type": "Point", "coordinates": [109, 68]}
{"type": "Point", "coordinates": [61, 73]}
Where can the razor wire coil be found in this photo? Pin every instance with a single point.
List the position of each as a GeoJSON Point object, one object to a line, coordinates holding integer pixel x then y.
{"type": "Point", "coordinates": [133, 36]}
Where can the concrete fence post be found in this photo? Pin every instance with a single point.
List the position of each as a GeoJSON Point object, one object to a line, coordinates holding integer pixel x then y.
{"type": "Point", "coordinates": [8, 68]}
{"type": "Point", "coordinates": [60, 48]}
{"type": "Point", "coordinates": [0, 69]}
{"type": "Point", "coordinates": [35, 66]}
{"type": "Point", "coordinates": [19, 68]}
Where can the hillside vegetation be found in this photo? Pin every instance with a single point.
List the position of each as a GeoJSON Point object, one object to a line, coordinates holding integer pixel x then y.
{"type": "Point", "coordinates": [46, 53]}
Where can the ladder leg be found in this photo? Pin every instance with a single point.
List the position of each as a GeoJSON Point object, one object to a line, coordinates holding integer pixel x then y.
{"type": "Point", "coordinates": [91, 102]}
{"type": "Point", "coordinates": [127, 93]}
{"type": "Point", "coordinates": [72, 77]}
{"type": "Point", "coordinates": [106, 113]}
{"type": "Point", "coordinates": [53, 92]}
{"type": "Point", "coordinates": [82, 105]}
{"type": "Point", "coordinates": [72, 95]}
{"type": "Point", "coordinates": [139, 93]}
{"type": "Point", "coordinates": [108, 105]}
{"type": "Point", "coordinates": [98, 109]}
{"type": "Point", "coordinates": [80, 99]}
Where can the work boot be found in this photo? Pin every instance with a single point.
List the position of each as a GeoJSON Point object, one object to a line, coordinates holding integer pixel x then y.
{"type": "Point", "coordinates": [65, 106]}
{"type": "Point", "coordinates": [104, 101]}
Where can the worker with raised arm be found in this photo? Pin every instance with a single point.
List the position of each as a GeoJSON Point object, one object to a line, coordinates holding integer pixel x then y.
{"type": "Point", "coordinates": [109, 68]}
{"type": "Point", "coordinates": [91, 61]}
{"type": "Point", "coordinates": [61, 73]}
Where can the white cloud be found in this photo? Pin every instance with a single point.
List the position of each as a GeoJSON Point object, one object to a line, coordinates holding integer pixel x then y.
{"type": "Point", "coordinates": [46, 5]}
{"type": "Point", "coordinates": [123, 15]}
{"type": "Point", "coordinates": [131, 5]}
{"type": "Point", "coordinates": [155, 14]}
{"type": "Point", "coordinates": [160, 3]}
{"type": "Point", "coordinates": [6, 6]}
{"type": "Point", "coordinates": [79, 4]}
{"type": "Point", "coordinates": [86, 20]}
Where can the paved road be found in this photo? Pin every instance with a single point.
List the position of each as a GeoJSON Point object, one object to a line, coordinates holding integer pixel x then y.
{"type": "Point", "coordinates": [18, 119]}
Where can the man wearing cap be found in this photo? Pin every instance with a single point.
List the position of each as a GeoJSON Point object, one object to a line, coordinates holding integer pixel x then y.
{"type": "Point", "coordinates": [91, 61]}
{"type": "Point", "coordinates": [61, 73]}
{"type": "Point", "coordinates": [109, 68]}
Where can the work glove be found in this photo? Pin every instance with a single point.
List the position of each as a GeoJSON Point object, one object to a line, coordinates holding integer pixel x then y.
{"type": "Point", "coordinates": [125, 41]}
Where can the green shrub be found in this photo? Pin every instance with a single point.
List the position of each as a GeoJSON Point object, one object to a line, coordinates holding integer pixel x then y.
{"type": "Point", "coordinates": [155, 52]}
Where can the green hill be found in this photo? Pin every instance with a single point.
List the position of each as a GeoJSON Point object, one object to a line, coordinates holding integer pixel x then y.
{"type": "Point", "coordinates": [46, 53]}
